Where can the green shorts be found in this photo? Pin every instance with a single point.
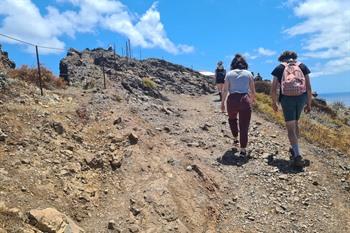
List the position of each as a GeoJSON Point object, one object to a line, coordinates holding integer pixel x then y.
{"type": "Point", "coordinates": [292, 106]}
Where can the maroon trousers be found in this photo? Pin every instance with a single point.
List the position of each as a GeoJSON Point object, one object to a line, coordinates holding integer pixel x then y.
{"type": "Point", "coordinates": [239, 104]}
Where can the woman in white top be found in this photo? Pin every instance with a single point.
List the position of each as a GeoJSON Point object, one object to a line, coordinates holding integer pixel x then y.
{"type": "Point", "coordinates": [239, 83]}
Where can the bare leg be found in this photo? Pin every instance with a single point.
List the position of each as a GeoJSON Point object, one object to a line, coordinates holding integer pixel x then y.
{"type": "Point", "coordinates": [292, 132]}
{"type": "Point", "coordinates": [297, 129]}
{"type": "Point", "coordinates": [220, 87]}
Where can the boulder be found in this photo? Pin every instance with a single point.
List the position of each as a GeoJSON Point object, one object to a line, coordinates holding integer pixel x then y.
{"type": "Point", "coordinates": [52, 221]}
{"type": "Point", "coordinates": [5, 62]}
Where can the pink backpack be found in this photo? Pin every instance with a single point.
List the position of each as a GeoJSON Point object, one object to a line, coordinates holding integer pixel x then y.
{"type": "Point", "coordinates": [293, 80]}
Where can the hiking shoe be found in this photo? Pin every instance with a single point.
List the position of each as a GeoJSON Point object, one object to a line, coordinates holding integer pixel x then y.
{"type": "Point", "coordinates": [297, 161]}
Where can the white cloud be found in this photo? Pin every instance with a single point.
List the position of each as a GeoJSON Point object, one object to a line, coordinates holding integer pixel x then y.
{"type": "Point", "coordinates": [266, 52]}
{"type": "Point", "coordinates": [326, 27]}
{"type": "Point", "coordinates": [250, 56]}
{"type": "Point", "coordinates": [259, 52]}
{"type": "Point", "coordinates": [146, 31]}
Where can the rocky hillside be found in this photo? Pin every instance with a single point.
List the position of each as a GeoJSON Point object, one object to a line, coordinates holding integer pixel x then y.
{"type": "Point", "coordinates": [5, 65]}
{"type": "Point", "coordinates": [5, 62]}
{"type": "Point", "coordinates": [123, 160]}
{"type": "Point", "coordinates": [148, 76]}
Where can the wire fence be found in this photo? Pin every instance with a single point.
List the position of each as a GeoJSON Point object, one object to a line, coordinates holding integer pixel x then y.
{"type": "Point", "coordinates": [127, 49]}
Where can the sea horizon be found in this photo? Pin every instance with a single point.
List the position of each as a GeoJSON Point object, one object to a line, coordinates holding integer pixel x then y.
{"type": "Point", "coordinates": [333, 97]}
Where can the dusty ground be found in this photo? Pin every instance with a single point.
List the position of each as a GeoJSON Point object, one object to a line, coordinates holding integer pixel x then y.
{"type": "Point", "coordinates": [179, 176]}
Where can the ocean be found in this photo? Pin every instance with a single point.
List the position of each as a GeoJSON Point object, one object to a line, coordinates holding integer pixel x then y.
{"type": "Point", "coordinates": [343, 97]}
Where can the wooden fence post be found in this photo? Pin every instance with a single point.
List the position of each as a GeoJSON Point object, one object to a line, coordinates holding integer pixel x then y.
{"type": "Point", "coordinates": [39, 71]}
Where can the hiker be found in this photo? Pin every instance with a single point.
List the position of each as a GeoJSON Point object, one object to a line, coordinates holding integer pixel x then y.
{"type": "Point", "coordinates": [258, 77]}
{"type": "Point", "coordinates": [239, 84]}
{"type": "Point", "coordinates": [291, 80]}
{"type": "Point", "coordinates": [220, 74]}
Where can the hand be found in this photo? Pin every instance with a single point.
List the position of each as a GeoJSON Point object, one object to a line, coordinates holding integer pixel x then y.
{"type": "Point", "coordinates": [253, 100]}
{"type": "Point", "coordinates": [275, 107]}
{"type": "Point", "coordinates": [223, 107]}
{"type": "Point", "coordinates": [307, 108]}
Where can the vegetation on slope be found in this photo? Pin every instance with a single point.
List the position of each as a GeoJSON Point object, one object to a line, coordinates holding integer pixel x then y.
{"type": "Point", "coordinates": [49, 80]}
{"type": "Point", "coordinates": [327, 126]}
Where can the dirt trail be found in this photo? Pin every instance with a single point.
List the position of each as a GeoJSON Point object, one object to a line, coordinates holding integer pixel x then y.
{"type": "Point", "coordinates": [262, 194]}
{"type": "Point", "coordinates": [179, 176]}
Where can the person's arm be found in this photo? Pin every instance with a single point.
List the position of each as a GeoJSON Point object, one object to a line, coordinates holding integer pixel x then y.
{"type": "Point", "coordinates": [309, 94]}
{"type": "Point", "coordinates": [252, 92]}
{"type": "Point", "coordinates": [274, 93]}
{"type": "Point", "coordinates": [224, 94]}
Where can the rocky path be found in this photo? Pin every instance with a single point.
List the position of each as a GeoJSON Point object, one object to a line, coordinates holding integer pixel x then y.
{"type": "Point", "coordinates": [116, 163]}
{"type": "Point", "coordinates": [262, 194]}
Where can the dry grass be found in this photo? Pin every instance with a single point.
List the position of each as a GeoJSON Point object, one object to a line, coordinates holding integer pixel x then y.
{"type": "Point", "coordinates": [49, 80]}
{"type": "Point", "coordinates": [263, 105]}
{"type": "Point", "coordinates": [318, 131]}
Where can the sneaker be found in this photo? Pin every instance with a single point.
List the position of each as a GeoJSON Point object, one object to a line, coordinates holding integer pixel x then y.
{"type": "Point", "coordinates": [297, 161]}
{"type": "Point", "coordinates": [243, 152]}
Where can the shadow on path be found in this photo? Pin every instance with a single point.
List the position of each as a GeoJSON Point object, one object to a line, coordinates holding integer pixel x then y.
{"type": "Point", "coordinates": [232, 158]}
{"type": "Point", "coordinates": [284, 165]}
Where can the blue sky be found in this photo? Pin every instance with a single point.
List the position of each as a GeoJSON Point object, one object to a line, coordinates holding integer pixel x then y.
{"type": "Point", "coordinates": [194, 33]}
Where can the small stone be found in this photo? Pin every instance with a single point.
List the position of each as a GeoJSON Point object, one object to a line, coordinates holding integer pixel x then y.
{"type": "Point", "coordinates": [135, 211]}
{"type": "Point", "coordinates": [3, 136]}
{"type": "Point", "coordinates": [116, 163]}
{"type": "Point", "coordinates": [94, 161]}
{"type": "Point", "coordinates": [234, 199]}
{"type": "Point", "coordinates": [25, 161]}
{"type": "Point", "coordinates": [315, 183]}
{"type": "Point", "coordinates": [251, 218]}
{"type": "Point", "coordinates": [133, 139]}
{"type": "Point", "coordinates": [134, 228]}
{"type": "Point", "coordinates": [117, 121]}
{"type": "Point", "coordinates": [279, 210]}
{"type": "Point", "coordinates": [58, 127]}
{"type": "Point", "coordinates": [283, 177]}
{"type": "Point", "coordinates": [189, 168]}
{"type": "Point", "coordinates": [111, 225]}
{"type": "Point", "coordinates": [23, 189]}
{"type": "Point", "coordinates": [167, 129]}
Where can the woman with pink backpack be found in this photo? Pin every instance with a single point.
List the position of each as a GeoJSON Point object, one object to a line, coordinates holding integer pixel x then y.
{"type": "Point", "coordinates": [291, 80]}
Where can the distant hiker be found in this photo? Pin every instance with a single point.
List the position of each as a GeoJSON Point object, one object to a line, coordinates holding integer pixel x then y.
{"type": "Point", "coordinates": [258, 77]}
{"type": "Point", "coordinates": [292, 79]}
{"type": "Point", "coordinates": [220, 74]}
{"type": "Point", "coordinates": [239, 84]}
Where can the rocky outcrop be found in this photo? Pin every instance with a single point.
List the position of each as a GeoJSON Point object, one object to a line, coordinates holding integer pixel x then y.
{"type": "Point", "coordinates": [5, 62]}
{"type": "Point", "coordinates": [149, 77]}
{"type": "Point", "coordinates": [52, 221]}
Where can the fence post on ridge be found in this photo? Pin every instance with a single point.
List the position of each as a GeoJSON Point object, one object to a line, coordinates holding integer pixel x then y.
{"type": "Point", "coordinates": [39, 71]}
{"type": "Point", "coordinates": [103, 70]}
{"type": "Point", "coordinates": [114, 51]}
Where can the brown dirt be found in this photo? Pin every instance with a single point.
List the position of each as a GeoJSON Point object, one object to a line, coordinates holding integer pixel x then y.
{"type": "Point", "coordinates": [181, 176]}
